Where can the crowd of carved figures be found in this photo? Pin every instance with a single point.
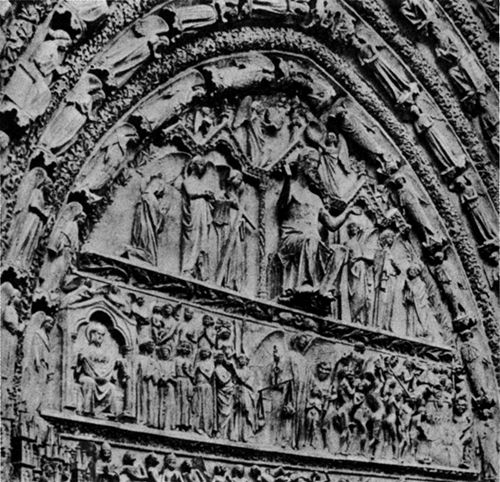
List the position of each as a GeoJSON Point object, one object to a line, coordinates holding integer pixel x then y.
{"type": "Point", "coordinates": [340, 240]}
{"type": "Point", "coordinates": [191, 374]}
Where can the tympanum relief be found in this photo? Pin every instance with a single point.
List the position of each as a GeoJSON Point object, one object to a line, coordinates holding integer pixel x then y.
{"type": "Point", "coordinates": [259, 197]}
{"type": "Point", "coordinates": [177, 368]}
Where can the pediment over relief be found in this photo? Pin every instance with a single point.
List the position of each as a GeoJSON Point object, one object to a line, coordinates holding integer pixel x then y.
{"type": "Point", "coordinates": [260, 195]}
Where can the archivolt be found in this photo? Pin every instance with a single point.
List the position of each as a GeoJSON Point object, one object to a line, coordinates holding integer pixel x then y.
{"type": "Point", "coordinates": [248, 38]}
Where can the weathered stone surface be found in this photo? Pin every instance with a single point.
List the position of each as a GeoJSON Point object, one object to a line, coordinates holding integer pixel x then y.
{"type": "Point", "coordinates": [248, 242]}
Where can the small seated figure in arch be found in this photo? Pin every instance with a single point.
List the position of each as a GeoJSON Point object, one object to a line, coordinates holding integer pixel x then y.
{"type": "Point", "coordinates": [100, 371]}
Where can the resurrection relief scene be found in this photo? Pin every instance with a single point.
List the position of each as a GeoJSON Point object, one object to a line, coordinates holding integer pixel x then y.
{"type": "Point", "coordinates": [250, 241]}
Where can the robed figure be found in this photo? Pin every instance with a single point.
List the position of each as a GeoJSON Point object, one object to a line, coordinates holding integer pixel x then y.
{"type": "Point", "coordinates": [37, 364]}
{"type": "Point", "coordinates": [196, 221]}
{"type": "Point", "coordinates": [308, 264]}
{"type": "Point", "coordinates": [148, 220]}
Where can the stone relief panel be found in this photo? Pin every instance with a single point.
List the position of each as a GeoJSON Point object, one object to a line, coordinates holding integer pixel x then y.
{"type": "Point", "coordinates": [260, 178]}
{"type": "Point", "coordinates": [177, 368]}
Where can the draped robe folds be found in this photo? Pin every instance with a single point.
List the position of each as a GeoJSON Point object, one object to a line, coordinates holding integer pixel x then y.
{"type": "Point", "coordinates": [129, 51]}
{"type": "Point", "coordinates": [300, 248]}
{"type": "Point", "coordinates": [147, 225]}
{"type": "Point", "coordinates": [196, 227]}
{"type": "Point", "coordinates": [478, 218]}
{"type": "Point", "coordinates": [203, 398]}
{"type": "Point", "coordinates": [166, 394]}
{"type": "Point", "coordinates": [224, 390]}
{"type": "Point", "coordinates": [27, 231]}
{"type": "Point", "coordinates": [183, 393]}
{"type": "Point", "coordinates": [420, 318]}
{"type": "Point", "coordinates": [424, 125]}
{"type": "Point", "coordinates": [412, 206]}
{"type": "Point", "coordinates": [360, 282]}
{"type": "Point", "coordinates": [301, 382]}
{"type": "Point", "coordinates": [10, 331]}
{"type": "Point", "coordinates": [148, 376]}
{"type": "Point", "coordinates": [232, 267]}
{"type": "Point", "coordinates": [384, 72]}
{"type": "Point", "coordinates": [244, 413]}
{"type": "Point", "coordinates": [386, 276]}
{"type": "Point", "coordinates": [95, 371]}
{"type": "Point", "coordinates": [36, 372]}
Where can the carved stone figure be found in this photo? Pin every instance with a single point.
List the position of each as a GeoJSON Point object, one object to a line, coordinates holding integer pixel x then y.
{"type": "Point", "coordinates": [77, 16]}
{"type": "Point", "coordinates": [386, 276]}
{"type": "Point", "coordinates": [27, 94]}
{"type": "Point", "coordinates": [317, 404]}
{"type": "Point", "coordinates": [232, 266]}
{"type": "Point", "coordinates": [108, 162]}
{"type": "Point", "coordinates": [196, 221]}
{"type": "Point", "coordinates": [224, 396]}
{"type": "Point", "coordinates": [38, 366]}
{"type": "Point", "coordinates": [248, 124]}
{"type": "Point", "coordinates": [301, 250]}
{"type": "Point", "coordinates": [420, 13]}
{"type": "Point", "coordinates": [462, 68]}
{"type": "Point", "coordinates": [80, 104]}
{"type": "Point", "coordinates": [412, 206]}
{"type": "Point", "coordinates": [183, 387]}
{"type": "Point", "coordinates": [485, 229]}
{"type": "Point", "coordinates": [419, 314]}
{"type": "Point", "coordinates": [166, 389]}
{"type": "Point", "coordinates": [20, 30]}
{"type": "Point", "coordinates": [130, 471]}
{"type": "Point", "coordinates": [360, 276]}
{"type": "Point", "coordinates": [477, 366]}
{"type": "Point", "coordinates": [148, 221]}
{"type": "Point", "coordinates": [62, 247]}
{"type": "Point", "coordinates": [12, 327]}
{"type": "Point", "coordinates": [449, 162]}
{"type": "Point", "coordinates": [300, 376]}
{"type": "Point", "coordinates": [393, 82]}
{"type": "Point", "coordinates": [31, 215]}
{"type": "Point", "coordinates": [148, 375]}
{"type": "Point", "coordinates": [95, 372]}
{"type": "Point", "coordinates": [50, 55]}
{"type": "Point", "coordinates": [244, 400]}
{"type": "Point", "coordinates": [122, 58]}
{"type": "Point", "coordinates": [203, 396]}
{"type": "Point", "coordinates": [488, 122]}
{"type": "Point", "coordinates": [357, 131]}
{"type": "Point", "coordinates": [447, 283]}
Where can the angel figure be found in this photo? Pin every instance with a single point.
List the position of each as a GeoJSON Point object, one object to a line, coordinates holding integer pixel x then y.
{"type": "Point", "coordinates": [125, 54]}
{"type": "Point", "coordinates": [248, 124]}
{"type": "Point", "coordinates": [148, 220]}
{"type": "Point", "coordinates": [109, 161]}
{"type": "Point", "coordinates": [337, 176]}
